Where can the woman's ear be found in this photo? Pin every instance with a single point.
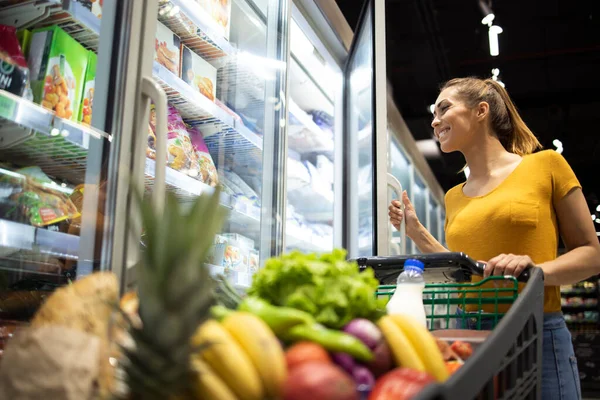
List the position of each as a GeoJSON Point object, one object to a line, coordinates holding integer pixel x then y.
{"type": "Point", "coordinates": [483, 109]}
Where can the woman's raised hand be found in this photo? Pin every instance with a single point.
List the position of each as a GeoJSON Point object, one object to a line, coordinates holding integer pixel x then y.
{"type": "Point", "coordinates": [396, 214]}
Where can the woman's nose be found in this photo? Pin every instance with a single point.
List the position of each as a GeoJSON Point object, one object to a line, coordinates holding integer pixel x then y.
{"type": "Point", "coordinates": [435, 122]}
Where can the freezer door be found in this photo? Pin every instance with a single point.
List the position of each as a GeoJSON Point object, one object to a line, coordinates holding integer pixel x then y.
{"type": "Point", "coordinates": [366, 229]}
{"type": "Point", "coordinates": [64, 145]}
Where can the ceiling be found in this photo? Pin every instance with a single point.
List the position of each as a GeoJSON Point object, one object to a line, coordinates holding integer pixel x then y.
{"type": "Point", "coordinates": [549, 60]}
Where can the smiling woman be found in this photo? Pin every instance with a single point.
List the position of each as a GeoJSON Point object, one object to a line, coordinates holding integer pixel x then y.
{"type": "Point", "coordinates": [511, 210]}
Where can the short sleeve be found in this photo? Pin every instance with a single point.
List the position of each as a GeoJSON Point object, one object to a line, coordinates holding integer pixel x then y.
{"type": "Point", "coordinates": [563, 177]}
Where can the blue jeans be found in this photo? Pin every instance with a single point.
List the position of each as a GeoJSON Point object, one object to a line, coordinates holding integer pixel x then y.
{"type": "Point", "coordinates": [560, 376]}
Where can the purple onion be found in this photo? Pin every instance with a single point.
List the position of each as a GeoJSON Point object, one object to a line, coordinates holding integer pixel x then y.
{"type": "Point", "coordinates": [364, 330]}
{"type": "Point", "coordinates": [345, 361]}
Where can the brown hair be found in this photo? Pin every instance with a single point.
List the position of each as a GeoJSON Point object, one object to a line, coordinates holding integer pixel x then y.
{"type": "Point", "coordinates": [505, 120]}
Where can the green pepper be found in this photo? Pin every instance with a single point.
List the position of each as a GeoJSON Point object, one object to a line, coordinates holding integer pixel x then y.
{"type": "Point", "coordinates": [331, 340]}
{"type": "Point", "coordinates": [279, 319]}
{"type": "Point", "coordinates": [220, 312]}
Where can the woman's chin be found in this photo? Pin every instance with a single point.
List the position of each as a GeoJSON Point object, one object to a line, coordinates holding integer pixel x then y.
{"type": "Point", "coordinates": [445, 147]}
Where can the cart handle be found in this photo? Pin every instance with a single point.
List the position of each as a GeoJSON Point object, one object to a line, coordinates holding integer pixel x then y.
{"type": "Point", "coordinates": [460, 265]}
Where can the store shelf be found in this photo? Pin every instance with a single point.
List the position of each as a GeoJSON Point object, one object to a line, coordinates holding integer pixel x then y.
{"type": "Point", "coordinates": [195, 28]}
{"type": "Point", "coordinates": [72, 16]}
{"type": "Point", "coordinates": [16, 237]}
{"type": "Point", "coordinates": [32, 135]}
{"type": "Point", "coordinates": [581, 307]}
{"type": "Point", "coordinates": [305, 135]}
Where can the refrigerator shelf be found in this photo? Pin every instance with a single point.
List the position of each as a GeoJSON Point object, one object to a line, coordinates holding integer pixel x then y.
{"type": "Point", "coordinates": [33, 135]}
{"type": "Point", "coordinates": [298, 238]}
{"type": "Point", "coordinates": [16, 237]}
{"type": "Point", "coordinates": [71, 16]}
{"type": "Point", "coordinates": [195, 28]}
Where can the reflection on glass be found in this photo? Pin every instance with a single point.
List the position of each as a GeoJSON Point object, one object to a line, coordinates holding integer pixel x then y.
{"type": "Point", "coordinates": [401, 168]}
{"type": "Point", "coordinates": [360, 131]}
{"type": "Point", "coordinates": [433, 219]}
{"type": "Point", "coordinates": [310, 165]}
{"type": "Point", "coordinates": [419, 200]}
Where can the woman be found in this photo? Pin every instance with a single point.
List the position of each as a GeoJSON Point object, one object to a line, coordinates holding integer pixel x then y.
{"type": "Point", "coordinates": [511, 209]}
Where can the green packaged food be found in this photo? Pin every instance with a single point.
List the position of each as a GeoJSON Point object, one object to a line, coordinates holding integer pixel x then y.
{"type": "Point", "coordinates": [87, 100]}
{"type": "Point", "coordinates": [58, 66]}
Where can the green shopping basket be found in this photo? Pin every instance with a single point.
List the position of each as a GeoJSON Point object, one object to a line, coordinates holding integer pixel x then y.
{"type": "Point", "coordinates": [507, 364]}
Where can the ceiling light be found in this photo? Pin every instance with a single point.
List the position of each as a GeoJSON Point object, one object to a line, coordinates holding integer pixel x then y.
{"type": "Point", "coordinates": [467, 172]}
{"type": "Point", "coordinates": [431, 108]}
{"type": "Point", "coordinates": [496, 72]}
{"type": "Point", "coordinates": [486, 9]}
{"type": "Point", "coordinates": [429, 148]}
{"type": "Point", "coordinates": [557, 143]}
{"type": "Point", "coordinates": [493, 33]}
{"type": "Point", "coordinates": [593, 217]}
{"type": "Point", "coordinates": [598, 208]}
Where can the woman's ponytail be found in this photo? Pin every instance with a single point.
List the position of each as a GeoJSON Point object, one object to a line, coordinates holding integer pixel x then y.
{"type": "Point", "coordinates": [505, 120]}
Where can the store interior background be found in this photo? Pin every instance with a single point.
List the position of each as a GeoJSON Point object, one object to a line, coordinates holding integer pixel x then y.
{"type": "Point", "coordinates": [549, 60]}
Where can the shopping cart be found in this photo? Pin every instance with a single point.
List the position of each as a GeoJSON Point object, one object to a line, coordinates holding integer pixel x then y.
{"type": "Point", "coordinates": [507, 364]}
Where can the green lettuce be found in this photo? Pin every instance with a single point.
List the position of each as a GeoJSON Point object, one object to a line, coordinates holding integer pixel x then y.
{"type": "Point", "coordinates": [326, 286]}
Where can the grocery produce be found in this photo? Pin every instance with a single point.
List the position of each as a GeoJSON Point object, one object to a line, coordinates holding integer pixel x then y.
{"type": "Point", "coordinates": [363, 377]}
{"type": "Point", "coordinates": [319, 381]}
{"type": "Point", "coordinates": [382, 359]}
{"type": "Point", "coordinates": [303, 352]}
{"type": "Point", "coordinates": [463, 349]}
{"type": "Point", "coordinates": [345, 361]}
{"type": "Point", "coordinates": [364, 330]}
{"type": "Point", "coordinates": [175, 295]}
{"type": "Point", "coordinates": [403, 351]}
{"type": "Point", "coordinates": [279, 319]}
{"type": "Point", "coordinates": [229, 360]}
{"type": "Point", "coordinates": [326, 286]}
{"type": "Point", "coordinates": [453, 366]}
{"type": "Point", "coordinates": [400, 384]}
{"type": "Point", "coordinates": [207, 384]}
{"type": "Point", "coordinates": [425, 345]}
{"type": "Point", "coordinates": [263, 348]}
{"type": "Point", "coordinates": [330, 339]}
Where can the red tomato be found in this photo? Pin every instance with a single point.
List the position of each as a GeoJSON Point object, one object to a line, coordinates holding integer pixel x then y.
{"type": "Point", "coordinates": [400, 384]}
{"type": "Point", "coordinates": [303, 352]}
{"type": "Point", "coordinates": [319, 381]}
{"type": "Point", "coordinates": [463, 349]}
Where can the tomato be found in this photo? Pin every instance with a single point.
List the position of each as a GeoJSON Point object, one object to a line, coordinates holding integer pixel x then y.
{"type": "Point", "coordinates": [303, 352]}
{"type": "Point", "coordinates": [463, 349]}
{"type": "Point", "coordinates": [400, 384]}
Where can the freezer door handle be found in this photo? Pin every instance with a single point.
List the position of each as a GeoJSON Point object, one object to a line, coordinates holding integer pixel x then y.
{"type": "Point", "coordinates": [157, 95]}
{"type": "Point", "coordinates": [397, 187]}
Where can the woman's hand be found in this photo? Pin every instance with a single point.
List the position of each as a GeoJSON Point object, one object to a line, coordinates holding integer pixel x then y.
{"type": "Point", "coordinates": [507, 264]}
{"type": "Point", "coordinates": [396, 215]}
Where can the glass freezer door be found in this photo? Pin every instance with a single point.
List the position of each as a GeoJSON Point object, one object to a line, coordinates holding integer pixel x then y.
{"type": "Point", "coordinates": [62, 132]}
{"type": "Point", "coordinates": [366, 137]}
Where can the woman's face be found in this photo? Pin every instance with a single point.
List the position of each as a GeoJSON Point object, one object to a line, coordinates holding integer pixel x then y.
{"type": "Point", "coordinates": [454, 124]}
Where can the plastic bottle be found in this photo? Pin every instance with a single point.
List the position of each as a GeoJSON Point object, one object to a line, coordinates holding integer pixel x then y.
{"type": "Point", "coordinates": [408, 297]}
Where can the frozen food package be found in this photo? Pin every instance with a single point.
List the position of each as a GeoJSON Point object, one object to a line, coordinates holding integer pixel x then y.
{"type": "Point", "coordinates": [24, 37]}
{"type": "Point", "coordinates": [26, 198]}
{"type": "Point", "coordinates": [151, 148]}
{"type": "Point", "coordinates": [95, 6]}
{"type": "Point", "coordinates": [14, 74]}
{"type": "Point", "coordinates": [220, 12]}
{"type": "Point", "coordinates": [180, 151]}
{"type": "Point", "coordinates": [202, 158]}
{"type": "Point", "coordinates": [199, 74]}
{"type": "Point", "coordinates": [87, 101]}
{"type": "Point", "coordinates": [58, 65]}
{"type": "Point", "coordinates": [166, 48]}
{"type": "Point", "coordinates": [239, 182]}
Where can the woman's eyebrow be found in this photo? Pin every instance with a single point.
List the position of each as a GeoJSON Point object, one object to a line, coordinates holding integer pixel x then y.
{"type": "Point", "coordinates": [438, 106]}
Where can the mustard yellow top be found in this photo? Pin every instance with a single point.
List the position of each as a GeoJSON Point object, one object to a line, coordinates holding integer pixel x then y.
{"type": "Point", "coordinates": [516, 217]}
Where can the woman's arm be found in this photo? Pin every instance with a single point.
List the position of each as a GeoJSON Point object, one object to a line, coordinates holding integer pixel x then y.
{"type": "Point", "coordinates": [577, 231]}
{"type": "Point", "coordinates": [414, 229]}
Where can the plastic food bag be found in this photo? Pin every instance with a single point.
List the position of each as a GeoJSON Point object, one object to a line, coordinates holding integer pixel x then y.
{"type": "Point", "coordinates": [14, 74]}
{"type": "Point", "coordinates": [205, 164]}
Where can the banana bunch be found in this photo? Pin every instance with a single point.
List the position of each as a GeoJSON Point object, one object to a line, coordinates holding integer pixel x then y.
{"type": "Point", "coordinates": [413, 346]}
{"type": "Point", "coordinates": [241, 359]}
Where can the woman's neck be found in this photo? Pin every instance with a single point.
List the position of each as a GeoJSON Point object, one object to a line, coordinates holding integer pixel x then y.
{"type": "Point", "coordinates": [486, 156]}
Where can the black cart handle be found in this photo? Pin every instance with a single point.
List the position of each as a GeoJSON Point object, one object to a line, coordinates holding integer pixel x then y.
{"type": "Point", "coordinates": [463, 265]}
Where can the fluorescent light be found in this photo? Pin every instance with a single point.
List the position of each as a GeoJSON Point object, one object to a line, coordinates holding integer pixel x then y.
{"type": "Point", "coordinates": [431, 108]}
{"type": "Point", "coordinates": [486, 9]}
{"type": "Point", "coordinates": [593, 217]}
{"type": "Point", "coordinates": [428, 148]}
{"type": "Point", "coordinates": [557, 143]}
{"type": "Point", "coordinates": [488, 19]}
{"type": "Point", "coordinates": [493, 33]}
{"type": "Point", "coordinates": [496, 72]}
{"type": "Point", "coordinates": [598, 208]}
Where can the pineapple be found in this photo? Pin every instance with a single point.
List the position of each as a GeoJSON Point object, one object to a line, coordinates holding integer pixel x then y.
{"type": "Point", "coordinates": [175, 293]}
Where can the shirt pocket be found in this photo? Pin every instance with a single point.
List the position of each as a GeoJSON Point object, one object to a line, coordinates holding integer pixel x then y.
{"type": "Point", "coordinates": [524, 213]}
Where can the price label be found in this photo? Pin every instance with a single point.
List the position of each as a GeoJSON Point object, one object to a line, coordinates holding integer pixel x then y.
{"type": "Point", "coordinates": [7, 107]}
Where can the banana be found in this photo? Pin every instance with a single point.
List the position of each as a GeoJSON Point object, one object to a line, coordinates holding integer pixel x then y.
{"type": "Point", "coordinates": [207, 385]}
{"type": "Point", "coordinates": [404, 353]}
{"type": "Point", "coordinates": [225, 356]}
{"type": "Point", "coordinates": [263, 348]}
{"type": "Point", "coordinates": [425, 345]}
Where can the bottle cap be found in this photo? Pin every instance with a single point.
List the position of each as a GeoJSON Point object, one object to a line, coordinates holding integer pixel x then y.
{"type": "Point", "coordinates": [414, 265]}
